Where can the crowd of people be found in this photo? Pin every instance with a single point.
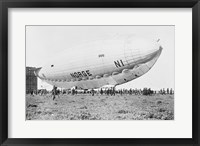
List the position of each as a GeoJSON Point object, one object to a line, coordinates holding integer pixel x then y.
{"type": "Point", "coordinates": [112, 91]}
{"type": "Point", "coordinates": [108, 91]}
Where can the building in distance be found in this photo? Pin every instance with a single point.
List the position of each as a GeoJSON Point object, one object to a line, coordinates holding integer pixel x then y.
{"type": "Point", "coordinates": [31, 80]}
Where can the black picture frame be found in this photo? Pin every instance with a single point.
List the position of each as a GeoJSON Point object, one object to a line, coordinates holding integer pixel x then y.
{"type": "Point", "coordinates": [5, 4]}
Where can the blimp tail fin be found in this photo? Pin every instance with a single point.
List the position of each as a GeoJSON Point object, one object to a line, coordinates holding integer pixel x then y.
{"type": "Point", "coordinates": [36, 71]}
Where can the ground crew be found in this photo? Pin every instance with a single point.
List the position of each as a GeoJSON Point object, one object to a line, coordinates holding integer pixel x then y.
{"type": "Point", "coordinates": [54, 92]}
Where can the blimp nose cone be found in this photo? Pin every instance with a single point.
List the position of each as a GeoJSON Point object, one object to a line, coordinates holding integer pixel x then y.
{"type": "Point", "coordinates": [142, 46]}
{"type": "Point", "coordinates": [137, 49]}
{"type": "Point", "coordinates": [146, 47]}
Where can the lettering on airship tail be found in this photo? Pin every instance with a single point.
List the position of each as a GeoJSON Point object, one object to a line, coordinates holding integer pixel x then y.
{"type": "Point", "coordinates": [119, 63]}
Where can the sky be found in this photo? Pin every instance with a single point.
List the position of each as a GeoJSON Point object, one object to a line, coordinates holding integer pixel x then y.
{"type": "Point", "coordinates": [44, 42]}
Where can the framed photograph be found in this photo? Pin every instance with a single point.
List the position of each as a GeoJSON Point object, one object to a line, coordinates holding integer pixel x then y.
{"type": "Point", "coordinates": [99, 73]}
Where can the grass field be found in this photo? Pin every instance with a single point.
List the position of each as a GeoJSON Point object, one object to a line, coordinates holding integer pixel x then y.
{"type": "Point", "coordinates": [100, 107]}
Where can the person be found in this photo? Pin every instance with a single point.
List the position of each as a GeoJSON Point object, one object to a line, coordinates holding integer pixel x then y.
{"type": "Point", "coordinates": [92, 92]}
{"type": "Point", "coordinates": [54, 92]}
{"type": "Point", "coordinates": [32, 93]}
{"type": "Point", "coordinates": [101, 91]}
{"type": "Point", "coordinates": [113, 91]}
{"type": "Point", "coordinates": [73, 91]}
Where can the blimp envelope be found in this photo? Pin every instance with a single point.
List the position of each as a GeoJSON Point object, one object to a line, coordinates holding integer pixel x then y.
{"type": "Point", "coordinates": [113, 61]}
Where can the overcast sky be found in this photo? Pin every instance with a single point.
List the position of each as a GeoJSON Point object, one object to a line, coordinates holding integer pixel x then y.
{"type": "Point", "coordinates": [44, 42]}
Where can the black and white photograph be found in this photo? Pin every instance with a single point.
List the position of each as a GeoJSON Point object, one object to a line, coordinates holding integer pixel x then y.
{"type": "Point", "coordinates": [100, 72]}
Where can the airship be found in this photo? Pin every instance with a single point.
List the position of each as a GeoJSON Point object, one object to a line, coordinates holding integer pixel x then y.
{"type": "Point", "coordinates": [107, 62]}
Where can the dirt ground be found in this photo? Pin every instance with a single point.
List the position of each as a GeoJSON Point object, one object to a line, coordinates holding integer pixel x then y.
{"type": "Point", "coordinates": [100, 107]}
